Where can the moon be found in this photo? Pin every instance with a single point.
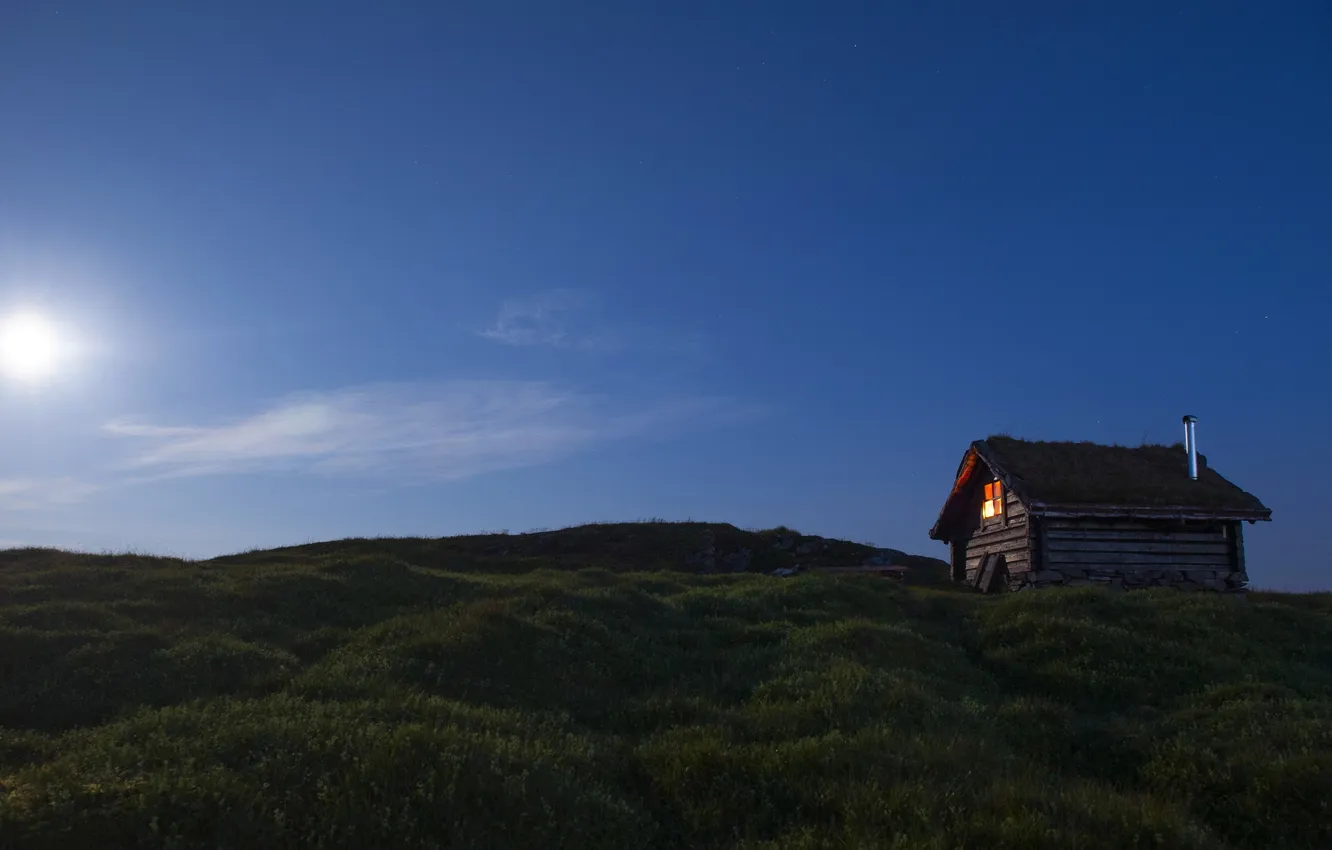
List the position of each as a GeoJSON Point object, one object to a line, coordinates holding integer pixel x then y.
{"type": "Point", "coordinates": [29, 347]}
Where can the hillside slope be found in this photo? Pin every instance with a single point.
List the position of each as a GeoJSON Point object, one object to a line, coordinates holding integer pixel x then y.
{"type": "Point", "coordinates": [405, 693]}
{"type": "Point", "coordinates": [693, 547]}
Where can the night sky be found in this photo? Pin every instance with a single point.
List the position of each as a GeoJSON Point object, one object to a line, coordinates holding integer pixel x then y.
{"type": "Point", "coordinates": [315, 270]}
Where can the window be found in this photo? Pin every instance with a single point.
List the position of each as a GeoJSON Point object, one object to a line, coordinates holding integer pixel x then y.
{"type": "Point", "coordinates": [994, 500]}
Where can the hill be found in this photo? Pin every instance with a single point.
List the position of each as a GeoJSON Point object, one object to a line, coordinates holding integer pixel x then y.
{"type": "Point", "coordinates": [596, 688]}
{"type": "Point", "coordinates": [693, 547]}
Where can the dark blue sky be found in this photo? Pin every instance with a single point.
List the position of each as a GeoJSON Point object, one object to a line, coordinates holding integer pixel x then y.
{"type": "Point", "coordinates": [358, 268]}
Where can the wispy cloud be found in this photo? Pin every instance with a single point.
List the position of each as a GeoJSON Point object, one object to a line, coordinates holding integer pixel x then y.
{"type": "Point", "coordinates": [125, 428]}
{"type": "Point", "coordinates": [558, 318]}
{"type": "Point", "coordinates": [38, 493]}
{"type": "Point", "coordinates": [411, 432]}
{"type": "Point", "coordinates": [570, 319]}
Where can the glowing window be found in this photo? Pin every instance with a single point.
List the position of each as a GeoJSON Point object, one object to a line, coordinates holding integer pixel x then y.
{"type": "Point", "coordinates": [994, 500]}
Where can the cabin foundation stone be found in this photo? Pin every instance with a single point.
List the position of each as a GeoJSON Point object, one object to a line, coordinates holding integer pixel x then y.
{"type": "Point", "coordinates": [1127, 578]}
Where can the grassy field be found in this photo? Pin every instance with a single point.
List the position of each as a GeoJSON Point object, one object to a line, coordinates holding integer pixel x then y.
{"type": "Point", "coordinates": [577, 689]}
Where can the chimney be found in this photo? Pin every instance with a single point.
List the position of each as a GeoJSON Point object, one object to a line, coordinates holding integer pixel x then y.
{"type": "Point", "coordinates": [1191, 445]}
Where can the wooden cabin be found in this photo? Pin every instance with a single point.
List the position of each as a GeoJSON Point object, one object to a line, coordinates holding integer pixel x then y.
{"type": "Point", "coordinates": [1024, 514]}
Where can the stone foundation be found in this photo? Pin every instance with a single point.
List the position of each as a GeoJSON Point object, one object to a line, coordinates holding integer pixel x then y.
{"type": "Point", "coordinates": [1224, 581]}
{"type": "Point", "coordinates": [1127, 578]}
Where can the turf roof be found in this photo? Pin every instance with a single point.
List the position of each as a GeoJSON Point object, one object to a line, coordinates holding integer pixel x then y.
{"type": "Point", "coordinates": [1086, 473]}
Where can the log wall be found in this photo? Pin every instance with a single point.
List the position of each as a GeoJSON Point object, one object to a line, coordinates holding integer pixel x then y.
{"type": "Point", "coordinates": [1008, 534]}
{"type": "Point", "coordinates": [1132, 554]}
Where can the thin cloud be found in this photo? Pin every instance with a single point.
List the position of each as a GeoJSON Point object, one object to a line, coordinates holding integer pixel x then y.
{"type": "Point", "coordinates": [39, 493]}
{"type": "Point", "coordinates": [536, 320]}
{"type": "Point", "coordinates": [568, 319]}
{"type": "Point", "coordinates": [125, 428]}
{"type": "Point", "coordinates": [410, 432]}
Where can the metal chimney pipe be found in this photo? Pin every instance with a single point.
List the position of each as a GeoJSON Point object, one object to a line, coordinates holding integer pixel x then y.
{"type": "Point", "coordinates": [1191, 445]}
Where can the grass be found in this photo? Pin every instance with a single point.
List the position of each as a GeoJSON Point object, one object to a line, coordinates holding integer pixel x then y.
{"type": "Point", "coordinates": [538, 691]}
{"type": "Point", "coordinates": [1090, 473]}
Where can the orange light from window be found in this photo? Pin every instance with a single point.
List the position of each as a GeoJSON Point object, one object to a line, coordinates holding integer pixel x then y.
{"type": "Point", "coordinates": [987, 509]}
{"type": "Point", "coordinates": [994, 500]}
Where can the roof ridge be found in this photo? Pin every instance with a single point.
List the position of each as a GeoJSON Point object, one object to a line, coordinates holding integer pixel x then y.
{"type": "Point", "coordinates": [1086, 472]}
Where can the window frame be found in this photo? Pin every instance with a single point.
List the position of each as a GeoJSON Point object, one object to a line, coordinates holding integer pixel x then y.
{"type": "Point", "coordinates": [993, 499]}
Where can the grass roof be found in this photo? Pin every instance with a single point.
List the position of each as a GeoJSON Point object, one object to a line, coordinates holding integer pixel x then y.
{"type": "Point", "coordinates": [1086, 473]}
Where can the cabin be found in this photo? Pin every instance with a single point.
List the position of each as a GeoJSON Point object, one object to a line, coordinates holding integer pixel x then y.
{"type": "Point", "coordinates": [1028, 514]}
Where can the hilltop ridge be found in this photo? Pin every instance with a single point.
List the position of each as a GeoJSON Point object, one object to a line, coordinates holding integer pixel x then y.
{"type": "Point", "coordinates": [696, 547]}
